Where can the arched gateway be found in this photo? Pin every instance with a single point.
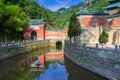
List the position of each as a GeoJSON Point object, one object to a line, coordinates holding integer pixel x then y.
{"type": "Point", "coordinates": [33, 35]}
{"type": "Point", "coordinates": [34, 31]}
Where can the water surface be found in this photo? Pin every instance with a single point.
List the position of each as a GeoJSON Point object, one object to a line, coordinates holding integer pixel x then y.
{"type": "Point", "coordinates": [18, 68]}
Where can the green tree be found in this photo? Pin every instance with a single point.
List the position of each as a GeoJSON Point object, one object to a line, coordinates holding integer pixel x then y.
{"type": "Point", "coordinates": [1, 1]}
{"type": "Point", "coordinates": [97, 5]}
{"type": "Point", "coordinates": [12, 20]}
{"type": "Point", "coordinates": [2, 8]}
{"type": "Point", "coordinates": [74, 27]}
{"type": "Point", "coordinates": [103, 38]}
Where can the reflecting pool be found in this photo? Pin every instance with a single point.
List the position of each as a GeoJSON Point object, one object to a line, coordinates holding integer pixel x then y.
{"type": "Point", "coordinates": [18, 68]}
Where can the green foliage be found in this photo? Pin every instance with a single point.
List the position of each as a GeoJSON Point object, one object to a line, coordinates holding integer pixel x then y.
{"type": "Point", "coordinates": [71, 26]}
{"type": "Point", "coordinates": [78, 29]}
{"type": "Point", "coordinates": [97, 5]}
{"type": "Point", "coordinates": [74, 27]}
{"type": "Point", "coordinates": [1, 1]}
{"type": "Point", "coordinates": [118, 10]}
{"type": "Point", "coordinates": [103, 37]}
{"type": "Point", "coordinates": [12, 20]}
{"type": "Point", "coordinates": [62, 16]}
{"type": "Point", "coordinates": [2, 7]}
{"type": "Point", "coordinates": [14, 14]}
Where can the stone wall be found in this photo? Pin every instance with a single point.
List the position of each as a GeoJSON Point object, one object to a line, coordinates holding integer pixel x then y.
{"type": "Point", "coordinates": [101, 61]}
{"type": "Point", "coordinates": [39, 29]}
{"type": "Point", "coordinates": [13, 50]}
{"type": "Point", "coordinates": [92, 26]}
{"type": "Point", "coordinates": [41, 33]}
{"type": "Point", "coordinates": [60, 34]}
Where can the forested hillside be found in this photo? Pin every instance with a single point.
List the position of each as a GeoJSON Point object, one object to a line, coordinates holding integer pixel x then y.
{"type": "Point", "coordinates": [14, 14]}
{"type": "Point", "coordinates": [97, 5]}
{"type": "Point", "coordinates": [63, 15]}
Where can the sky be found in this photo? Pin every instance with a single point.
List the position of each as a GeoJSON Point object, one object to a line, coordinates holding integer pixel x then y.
{"type": "Point", "coordinates": [54, 5]}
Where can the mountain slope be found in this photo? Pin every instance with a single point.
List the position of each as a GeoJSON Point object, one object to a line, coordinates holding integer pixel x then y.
{"type": "Point", "coordinates": [97, 5]}
{"type": "Point", "coordinates": [63, 16]}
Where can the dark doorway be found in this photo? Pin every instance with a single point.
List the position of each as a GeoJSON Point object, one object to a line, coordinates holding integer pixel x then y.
{"type": "Point", "coordinates": [58, 45]}
{"type": "Point", "coordinates": [33, 35]}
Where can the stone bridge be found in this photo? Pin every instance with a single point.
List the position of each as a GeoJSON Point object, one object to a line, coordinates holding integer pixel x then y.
{"type": "Point", "coordinates": [56, 36]}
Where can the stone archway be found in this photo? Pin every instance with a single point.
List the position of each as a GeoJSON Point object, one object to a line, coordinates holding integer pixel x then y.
{"type": "Point", "coordinates": [33, 35]}
{"type": "Point", "coordinates": [59, 45]}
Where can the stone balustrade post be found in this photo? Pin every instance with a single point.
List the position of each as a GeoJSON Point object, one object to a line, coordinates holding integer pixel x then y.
{"type": "Point", "coordinates": [116, 48]}
{"type": "Point", "coordinates": [116, 51]}
{"type": "Point", "coordinates": [119, 47]}
{"type": "Point", "coordinates": [23, 42]}
{"type": "Point", "coordinates": [18, 43]}
{"type": "Point", "coordinates": [97, 46]}
{"type": "Point", "coordinates": [13, 41]}
{"type": "Point", "coordinates": [12, 44]}
{"type": "Point", "coordinates": [84, 45]}
{"type": "Point", "coordinates": [6, 45]}
{"type": "Point", "coordinates": [26, 42]}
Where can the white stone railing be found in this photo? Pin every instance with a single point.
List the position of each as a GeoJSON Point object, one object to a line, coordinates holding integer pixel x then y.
{"type": "Point", "coordinates": [104, 61]}
{"type": "Point", "coordinates": [107, 53]}
{"type": "Point", "coordinates": [12, 49]}
{"type": "Point", "coordinates": [13, 44]}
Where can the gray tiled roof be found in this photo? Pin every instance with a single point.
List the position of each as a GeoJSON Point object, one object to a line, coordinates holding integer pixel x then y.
{"type": "Point", "coordinates": [36, 21]}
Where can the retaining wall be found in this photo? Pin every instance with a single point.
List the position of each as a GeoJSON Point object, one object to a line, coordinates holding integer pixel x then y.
{"type": "Point", "coordinates": [10, 51]}
{"type": "Point", "coordinates": [101, 61]}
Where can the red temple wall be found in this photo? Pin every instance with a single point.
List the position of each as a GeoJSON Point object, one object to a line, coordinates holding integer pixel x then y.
{"type": "Point", "coordinates": [115, 22]}
{"type": "Point", "coordinates": [87, 21]}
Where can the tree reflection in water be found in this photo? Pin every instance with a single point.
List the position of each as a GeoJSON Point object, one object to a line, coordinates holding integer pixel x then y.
{"type": "Point", "coordinates": [78, 73]}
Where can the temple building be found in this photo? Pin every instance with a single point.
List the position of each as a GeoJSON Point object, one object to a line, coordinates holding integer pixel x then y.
{"type": "Point", "coordinates": [113, 8]}
{"type": "Point", "coordinates": [35, 30]}
{"type": "Point", "coordinates": [93, 23]}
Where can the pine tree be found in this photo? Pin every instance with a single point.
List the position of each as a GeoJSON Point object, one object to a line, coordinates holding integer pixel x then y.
{"type": "Point", "coordinates": [103, 38]}
{"type": "Point", "coordinates": [74, 27]}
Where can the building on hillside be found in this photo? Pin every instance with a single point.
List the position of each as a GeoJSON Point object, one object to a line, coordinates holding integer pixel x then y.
{"type": "Point", "coordinates": [35, 30]}
{"type": "Point", "coordinates": [93, 23]}
{"type": "Point", "coordinates": [113, 8]}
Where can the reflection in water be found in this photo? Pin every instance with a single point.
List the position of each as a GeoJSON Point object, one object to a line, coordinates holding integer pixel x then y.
{"type": "Point", "coordinates": [19, 71]}
{"type": "Point", "coordinates": [18, 68]}
{"type": "Point", "coordinates": [78, 73]}
{"type": "Point", "coordinates": [58, 45]}
{"type": "Point", "coordinates": [55, 71]}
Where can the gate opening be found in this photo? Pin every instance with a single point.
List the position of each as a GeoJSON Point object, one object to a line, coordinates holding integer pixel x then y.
{"type": "Point", "coordinates": [58, 45]}
{"type": "Point", "coordinates": [33, 35]}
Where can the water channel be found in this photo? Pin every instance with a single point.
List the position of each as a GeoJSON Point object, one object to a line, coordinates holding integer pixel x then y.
{"type": "Point", "coordinates": [18, 68]}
